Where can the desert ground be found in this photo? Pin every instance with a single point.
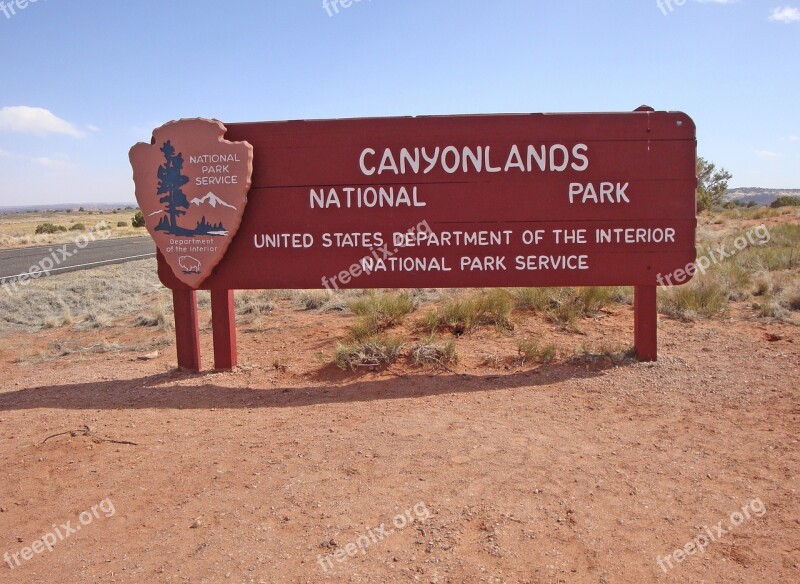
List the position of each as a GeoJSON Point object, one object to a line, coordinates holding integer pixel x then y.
{"type": "Point", "coordinates": [433, 436]}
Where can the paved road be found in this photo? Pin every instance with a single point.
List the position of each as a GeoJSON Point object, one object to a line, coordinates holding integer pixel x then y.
{"type": "Point", "coordinates": [57, 259]}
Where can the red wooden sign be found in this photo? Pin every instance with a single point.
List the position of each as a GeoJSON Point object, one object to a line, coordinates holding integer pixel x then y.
{"type": "Point", "coordinates": [463, 201]}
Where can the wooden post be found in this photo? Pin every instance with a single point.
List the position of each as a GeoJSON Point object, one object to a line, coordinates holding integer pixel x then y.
{"type": "Point", "coordinates": [223, 321]}
{"type": "Point", "coordinates": [645, 323]}
{"type": "Point", "coordinates": [187, 330]}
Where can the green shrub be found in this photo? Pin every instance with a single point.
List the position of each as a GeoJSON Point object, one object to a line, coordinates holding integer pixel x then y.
{"type": "Point", "coordinates": [122, 223]}
{"type": "Point", "coordinates": [138, 219]}
{"type": "Point", "coordinates": [78, 227]}
{"type": "Point", "coordinates": [785, 201]}
{"type": "Point", "coordinates": [49, 228]}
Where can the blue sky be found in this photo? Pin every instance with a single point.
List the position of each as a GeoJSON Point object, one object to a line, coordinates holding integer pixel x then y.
{"type": "Point", "coordinates": [81, 82]}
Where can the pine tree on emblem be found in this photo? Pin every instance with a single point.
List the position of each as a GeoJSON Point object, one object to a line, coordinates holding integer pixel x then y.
{"type": "Point", "coordinates": [170, 183]}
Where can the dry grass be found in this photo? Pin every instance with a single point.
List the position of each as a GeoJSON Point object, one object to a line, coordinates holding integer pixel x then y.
{"type": "Point", "coordinates": [704, 296]}
{"type": "Point", "coordinates": [565, 306]}
{"type": "Point", "coordinates": [762, 278]}
{"type": "Point", "coordinates": [372, 353]}
{"type": "Point", "coordinates": [253, 304]}
{"type": "Point", "coordinates": [766, 275]}
{"type": "Point", "coordinates": [464, 313]}
{"type": "Point", "coordinates": [605, 354]}
{"type": "Point", "coordinates": [18, 229]}
{"type": "Point", "coordinates": [437, 353]}
{"type": "Point", "coordinates": [532, 351]}
{"type": "Point", "coordinates": [379, 311]}
{"type": "Point", "coordinates": [88, 299]}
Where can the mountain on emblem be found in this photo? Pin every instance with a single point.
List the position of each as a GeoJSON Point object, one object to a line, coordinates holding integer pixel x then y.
{"type": "Point", "coordinates": [172, 176]}
{"type": "Point", "coordinates": [213, 200]}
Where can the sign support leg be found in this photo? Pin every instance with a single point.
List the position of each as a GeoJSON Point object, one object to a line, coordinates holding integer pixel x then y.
{"type": "Point", "coordinates": [223, 319]}
{"type": "Point", "coordinates": [645, 323]}
{"type": "Point", "coordinates": [187, 330]}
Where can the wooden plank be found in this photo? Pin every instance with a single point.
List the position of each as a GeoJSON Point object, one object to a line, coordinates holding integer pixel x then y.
{"type": "Point", "coordinates": [187, 330]}
{"type": "Point", "coordinates": [223, 318]}
{"type": "Point", "coordinates": [645, 323]}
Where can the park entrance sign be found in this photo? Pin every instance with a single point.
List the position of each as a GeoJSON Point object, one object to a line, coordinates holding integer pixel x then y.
{"type": "Point", "coordinates": [427, 202]}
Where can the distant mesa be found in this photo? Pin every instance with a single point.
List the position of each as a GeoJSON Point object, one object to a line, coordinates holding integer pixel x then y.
{"type": "Point", "coordinates": [759, 195]}
{"type": "Point", "coordinates": [213, 200]}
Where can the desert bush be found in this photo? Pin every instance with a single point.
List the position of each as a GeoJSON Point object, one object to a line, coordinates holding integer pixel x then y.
{"type": "Point", "coordinates": [793, 299]}
{"type": "Point", "coordinates": [570, 304]}
{"type": "Point", "coordinates": [711, 184]}
{"type": "Point", "coordinates": [782, 252]}
{"type": "Point", "coordinates": [49, 228]}
{"type": "Point", "coordinates": [533, 299]}
{"type": "Point", "coordinates": [122, 223]}
{"type": "Point", "coordinates": [138, 219]}
{"type": "Point", "coordinates": [157, 317]}
{"type": "Point", "coordinates": [378, 311]}
{"type": "Point", "coordinates": [491, 360]}
{"type": "Point", "coordinates": [785, 201]}
{"type": "Point", "coordinates": [703, 296]}
{"type": "Point", "coordinates": [605, 354]}
{"type": "Point", "coordinates": [463, 314]}
{"type": "Point", "coordinates": [734, 278]}
{"type": "Point", "coordinates": [387, 309]}
{"type": "Point", "coordinates": [78, 227]}
{"type": "Point", "coordinates": [374, 352]}
{"type": "Point", "coordinates": [432, 352]}
{"type": "Point", "coordinates": [532, 350]}
{"type": "Point", "coordinates": [567, 305]}
{"type": "Point", "coordinates": [313, 299]}
{"type": "Point", "coordinates": [252, 303]}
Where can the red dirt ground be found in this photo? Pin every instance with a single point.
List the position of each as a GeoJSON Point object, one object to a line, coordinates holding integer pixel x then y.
{"type": "Point", "coordinates": [577, 471]}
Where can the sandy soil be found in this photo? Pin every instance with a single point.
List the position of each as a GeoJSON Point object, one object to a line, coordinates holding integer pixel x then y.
{"type": "Point", "coordinates": [578, 471]}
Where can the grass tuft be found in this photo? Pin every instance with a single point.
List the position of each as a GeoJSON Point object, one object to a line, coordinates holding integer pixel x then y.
{"type": "Point", "coordinates": [373, 353]}
{"type": "Point", "coordinates": [378, 311]}
{"type": "Point", "coordinates": [704, 296]}
{"type": "Point", "coordinates": [531, 350]}
{"type": "Point", "coordinates": [463, 314]}
{"type": "Point", "coordinates": [253, 304]}
{"type": "Point", "coordinates": [431, 352]}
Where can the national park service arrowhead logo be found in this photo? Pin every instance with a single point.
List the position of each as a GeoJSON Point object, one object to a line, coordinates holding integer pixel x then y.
{"type": "Point", "coordinates": [192, 185]}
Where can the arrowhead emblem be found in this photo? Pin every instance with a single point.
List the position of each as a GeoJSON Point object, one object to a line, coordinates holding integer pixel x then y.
{"type": "Point", "coordinates": [192, 185]}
